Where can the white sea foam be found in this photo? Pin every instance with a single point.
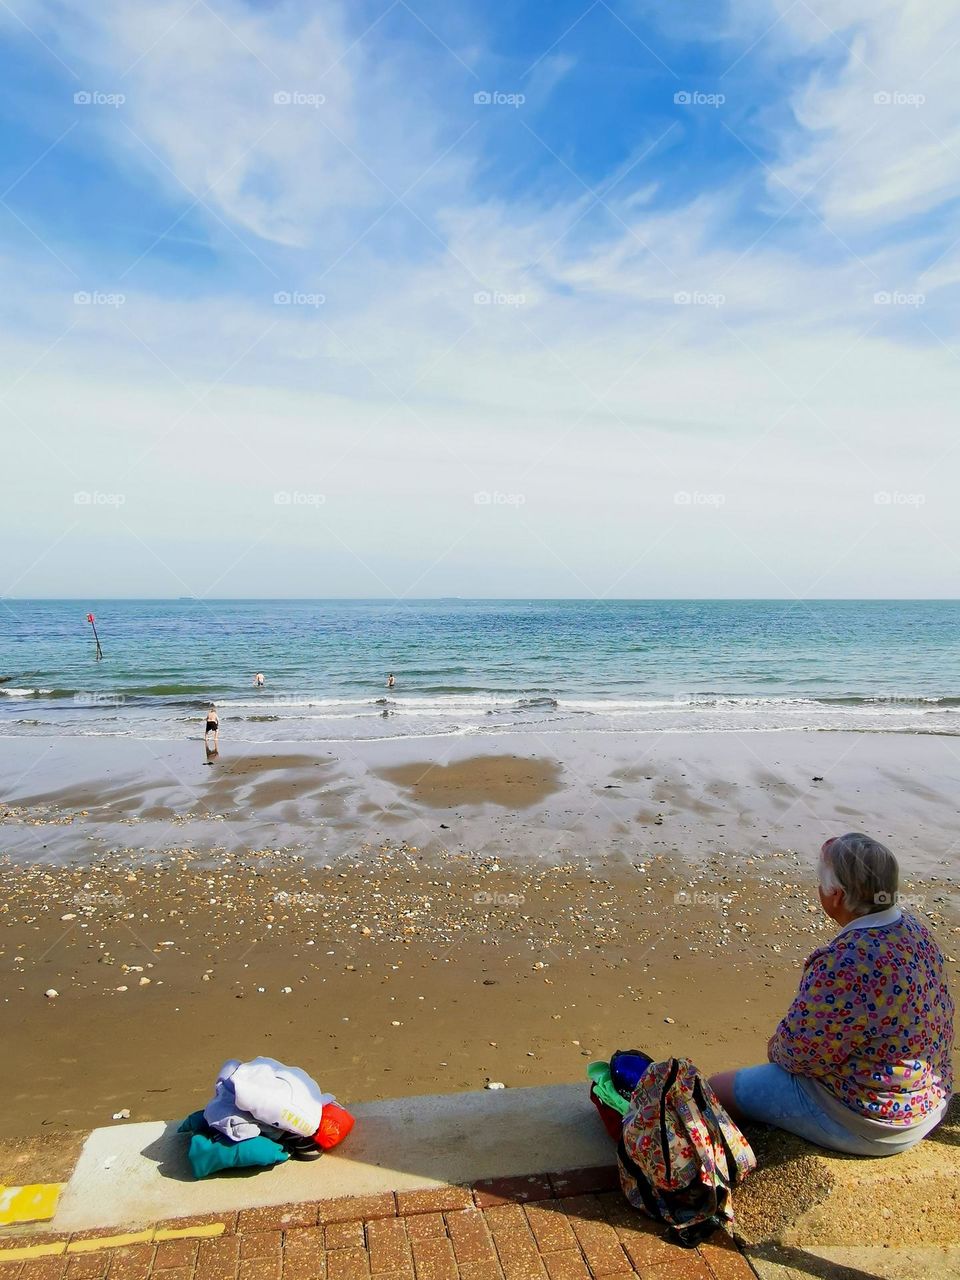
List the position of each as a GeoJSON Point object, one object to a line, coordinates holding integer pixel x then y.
{"type": "Point", "coordinates": [311, 719]}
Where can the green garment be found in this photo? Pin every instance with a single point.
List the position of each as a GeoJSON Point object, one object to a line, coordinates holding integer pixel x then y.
{"type": "Point", "coordinates": [599, 1073]}
{"type": "Point", "coordinates": [210, 1152]}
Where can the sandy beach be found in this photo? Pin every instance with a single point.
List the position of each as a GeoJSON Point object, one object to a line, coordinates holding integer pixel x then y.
{"type": "Point", "coordinates": [419, 917]}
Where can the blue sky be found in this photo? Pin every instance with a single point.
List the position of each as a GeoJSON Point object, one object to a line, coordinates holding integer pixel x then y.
{"type": "Point", "coordinates": [562, 58]}
{"type": "Point", "coordinates": [289, 311]}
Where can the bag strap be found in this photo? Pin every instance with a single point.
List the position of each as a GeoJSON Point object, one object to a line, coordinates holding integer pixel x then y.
{"type": "Point", "coordinates": [712, 1123]}
{"type": "Point", "coordinates": [740, 1161]}
{"type": "Point", "coordinates": [643, 1185]}
{"type": "Point", "coordinates": [664, 1131]}
{"type": "Point", "coordinates": [696, 1232]}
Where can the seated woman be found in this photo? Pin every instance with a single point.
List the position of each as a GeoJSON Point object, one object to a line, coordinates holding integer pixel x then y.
{"type": "Point", "coordinates": [861, 1061]}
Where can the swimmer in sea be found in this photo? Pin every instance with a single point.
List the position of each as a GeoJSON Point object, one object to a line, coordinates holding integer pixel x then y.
{"type": "Point", "coordinates": [390, 681]}
{"type": "Point", "coordinates": [258, 680]}
{"type": "Point", "coordinates": [212, 726]}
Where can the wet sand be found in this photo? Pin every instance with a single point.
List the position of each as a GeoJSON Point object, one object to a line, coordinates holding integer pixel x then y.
{"type": "Point", "coordinates": [512, 782]}
{"type": "Point", "coordinates": [527, 797]}
{"type": "Point", "coordinates": [396, 923]}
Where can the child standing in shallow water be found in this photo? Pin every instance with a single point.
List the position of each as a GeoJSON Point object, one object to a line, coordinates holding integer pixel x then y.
{"type": "Point", "coordinates": [213, 726]}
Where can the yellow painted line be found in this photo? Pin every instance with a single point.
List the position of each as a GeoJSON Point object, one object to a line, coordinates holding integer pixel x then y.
{"type": "Point", "coordinates": [110, 1242]}
{"type": "Point", "coordinates": [28, 1251]}
{"type": "Point", "coordinates": [34, 1203]}
{"type": "Point", "coordinates": [204, 1232]}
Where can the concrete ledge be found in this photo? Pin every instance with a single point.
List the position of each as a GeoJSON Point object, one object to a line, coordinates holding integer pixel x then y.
{"type": "Point", "coordinates": [128, 1175]}
{"type": "Point", "coordinates": [805, 1212]}
{"type": "Point", "coordinates": [803, 1196]}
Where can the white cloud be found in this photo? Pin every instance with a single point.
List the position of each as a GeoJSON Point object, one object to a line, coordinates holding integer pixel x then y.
{"type": "Point", "coordinates": [579, 381]}
{"type": "Point", "coordinates": [276, 118]}
{"type": "Point", "coordinates": [872, 89]}
{"type": "Point", "coordinates": [878, 137]}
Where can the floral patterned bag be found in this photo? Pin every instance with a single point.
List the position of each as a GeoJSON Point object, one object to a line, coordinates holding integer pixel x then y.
{"type": "Point", "coordinates": [680, 1154]}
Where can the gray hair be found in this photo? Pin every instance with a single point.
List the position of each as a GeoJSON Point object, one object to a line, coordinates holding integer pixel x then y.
{"type": "Point", "coordinates": [864, 869]}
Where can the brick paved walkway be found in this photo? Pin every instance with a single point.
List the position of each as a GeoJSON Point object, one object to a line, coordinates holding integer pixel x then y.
{"type": "Point", "coordinates": [572, 1226]}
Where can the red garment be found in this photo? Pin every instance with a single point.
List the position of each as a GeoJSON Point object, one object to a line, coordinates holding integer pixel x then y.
{"type": "Point", "coordinates": [335, 1124]}
{"type": "Point", "coordinates": [612, 1120]}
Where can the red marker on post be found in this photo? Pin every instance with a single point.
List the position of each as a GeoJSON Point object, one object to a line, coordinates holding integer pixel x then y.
{"type": "Point", "coordinates": [95, 636]}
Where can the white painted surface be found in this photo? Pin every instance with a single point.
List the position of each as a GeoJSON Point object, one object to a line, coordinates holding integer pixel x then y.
{"type": "Point", "coordinates": [137, 1173]}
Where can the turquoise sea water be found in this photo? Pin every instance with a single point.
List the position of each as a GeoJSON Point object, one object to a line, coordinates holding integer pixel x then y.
{"type": "Point", "coordinates": [475, 666]}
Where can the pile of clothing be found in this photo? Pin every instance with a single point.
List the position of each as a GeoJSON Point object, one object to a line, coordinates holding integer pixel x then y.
{"type": "Point", "coordinates": [261, 1114]}
{"type": "Point", "coordinates": [613, 1084]}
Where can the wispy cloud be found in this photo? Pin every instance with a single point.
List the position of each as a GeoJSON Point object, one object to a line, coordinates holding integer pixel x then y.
{"type": "Point", "coordinates": [320, 256]}
{"type": "Point", "coordinates": [889, 109]}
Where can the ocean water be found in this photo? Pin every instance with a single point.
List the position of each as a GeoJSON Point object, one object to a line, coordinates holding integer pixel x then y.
{"type": "Point", "coordinates": [477, 666]}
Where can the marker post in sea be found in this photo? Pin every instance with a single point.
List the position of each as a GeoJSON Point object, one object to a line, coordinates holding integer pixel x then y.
{"type": "Point", "coordinates": [93, 624]}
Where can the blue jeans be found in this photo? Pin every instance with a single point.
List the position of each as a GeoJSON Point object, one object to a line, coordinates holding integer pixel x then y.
{"type": "Point", "coordinates": [776, 1097]}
